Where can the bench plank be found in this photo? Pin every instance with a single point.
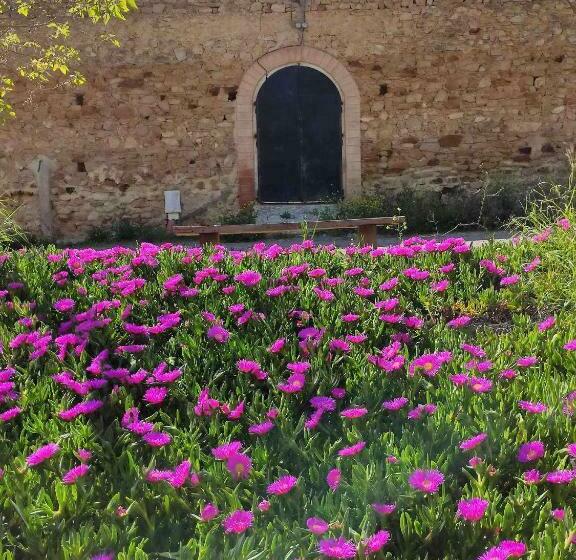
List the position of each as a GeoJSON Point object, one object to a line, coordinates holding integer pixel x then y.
{"type": "Point", "coordinates": [367, 225]}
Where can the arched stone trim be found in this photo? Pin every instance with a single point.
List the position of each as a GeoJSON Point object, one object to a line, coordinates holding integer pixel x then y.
{"type": "Point", "coordinates": [245, 125]}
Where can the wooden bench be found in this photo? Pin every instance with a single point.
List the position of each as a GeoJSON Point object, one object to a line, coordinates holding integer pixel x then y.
{"type": "Point", "coordinates": [366, 228]}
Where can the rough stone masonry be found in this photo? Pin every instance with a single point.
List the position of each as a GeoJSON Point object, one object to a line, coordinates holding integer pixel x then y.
{"type": "Point", "coordinates": [448, 89]}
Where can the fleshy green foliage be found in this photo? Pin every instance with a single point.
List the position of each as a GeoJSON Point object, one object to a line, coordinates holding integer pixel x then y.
{"type": "Point", "coordinates": [37, 41]}
{"type": "Point", "coordinates": [115, 508]}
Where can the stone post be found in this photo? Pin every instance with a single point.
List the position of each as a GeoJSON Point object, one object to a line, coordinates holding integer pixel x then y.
{"type": "Point", "coordinates": [43, 167]}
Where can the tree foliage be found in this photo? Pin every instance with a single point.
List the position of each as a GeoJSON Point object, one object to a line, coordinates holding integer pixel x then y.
{"type": "Point", "coordinates": [37, 41]}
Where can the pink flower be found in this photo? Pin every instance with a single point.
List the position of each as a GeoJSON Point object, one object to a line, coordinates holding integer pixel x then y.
{"type": "Point", "coordinates": [513, 548]}
{"type": "Point", "coordinates": [294, 383]}
{"type": "Point", "coordinates": [238, 521]}
{"type": "Point", "coordinates": [218, 333]}
{"type": "Point", "coordinates": [10, 414]}
{"type": "Point", "coordinates": [354, 412]}
{"type": "Point", "coordinates": [84, 455]}
{"type": "Point", "coordinates": [282, 486]}
{"type": "Point", "coordinates": [42, 454]}
{"type": "Point", "coordinates": [531, 477]}
{"type": "Point", "coordinates": [472, 509]}
{"type": "Point", "coordinates": [261, 429]}
{"type": "Point", "coordinates": [531, 451]}
{"type": "Point", "coordinates": [459, 322]}
{"type": "Point", "coordinates": [155, 395]}
{"type": "Point", "coordinates": [208, 512]}
{"type": "Point", "coordinates": [384, 509]}
{"type": "Point", "coordinates": [426, 481]}
{"type": "Point", "coordinates": [333, 479]}
{"type": "Point", "coordinates": [395, 404]}
{"type": "Point", "coordinates": [560, 477]}
{"type": "Point", "coordinates": [564, 223]}
{"type": "Point", "coordinates": [558, 514]}
{"type": "Point", "coordinates": [527, 361]}
{"type": "Point", "coordinates": [337, 548]}
{"type": "Point", "coordinates": [571, 345]}
{"type": "Point", "coordinates": [264, 505]}
{"type": "Point", "coordinates": [225, 451]}
{"type": "Point", "coordinates": [239, 465]}
{"type": "Point", "coordinates": [571, 449]}
{"type": "Point", "coordinates": [548, 323]}
{"type": "Point", "coordinates": [376, 542]}
{"type": "Point", "coordinates": [64, 305]}
{"type": "Point", "coordinates": [316, 525]}
{"type": "Point", "coordinates": [75, 473]}
{"type": "Point", "coordinates": [533, 408]}
{"type": "Point", "coordinates": [480, 384]}
{"type": "Point", "coordinates": [277, 346]}
{"type": "Point", "coordinates": [510, 280]}
{"type": "Point", "coordinates": [248, 278]}
{"type": "Point", "coordinates": [157, 439]}
{"type": "Point", "coordinates": [352, 450]}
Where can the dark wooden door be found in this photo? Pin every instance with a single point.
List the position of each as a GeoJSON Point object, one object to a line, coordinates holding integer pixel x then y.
{"type": "Point", "coordinates": [299, 137]}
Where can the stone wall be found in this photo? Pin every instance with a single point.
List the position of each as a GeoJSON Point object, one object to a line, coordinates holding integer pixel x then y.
{"type": "Point", "coordinates": [449, 89]}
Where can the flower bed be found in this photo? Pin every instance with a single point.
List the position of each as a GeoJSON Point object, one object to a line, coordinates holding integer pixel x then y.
{"type": "Point", "coordinates": [414, 402]}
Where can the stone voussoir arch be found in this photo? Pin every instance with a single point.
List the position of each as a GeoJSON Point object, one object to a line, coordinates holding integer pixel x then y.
{"type": "Point", "coordinates": [245, 123]}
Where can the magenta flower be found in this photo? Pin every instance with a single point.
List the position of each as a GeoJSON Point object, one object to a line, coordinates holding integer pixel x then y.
{"type": "Point", "coordinates": [261, 429]}
{"type": "Point", "coordinates": [459, 322]}
{"type": "Point", "coordinates": [333, 479]}
{"type": "Point", "coordinates": [42, 454]}
{"type": "Point", "coordinates": [571, 345]}
{"type": "Point", "coordinates": [316, 525]}
{"type": "Point", "coordinates": [352, 450]}
{"type": "Point", "coordinates": [218, 333]}
{"type": "Point", "coordinates": [533, 408]}
{"type": "Point", "coordinates": [510, 280]}
{"type": "Point", "coordinates": [527, 361]}
{"type": "Point", "coordinates": [282, 486]}
{"type": "Point", "coordinates": [357, 412]}
{"type": "Point", "coordinates": [157, 439]}
{"type": "Point", "coordinates": [337, 548]}
{"type": "Point", "coordinates": [75, 473]}
{"type": "Point", "coordinates": [480, 384]}
{"type": "Point", "coordinates": [384, 509]}
{"type": "Point", "coordinates": [472, 509]}
{"type": "Point", "coordinates": [239, 465]}
{"type": "Point", "coordinates": [225, 451]}
{"type": "Point", "coordinates": [248, 278]}
{"type": "Point", "coordinates": [10, 414]}
{"type": "Point", "coordinates": [294, 384]}
{"type": "Point", "coordinates": [558, 514]}
{"type": "Point", "coordinates": [84, 455]}
{"type": "Point", "coordinates": [264, 505]}
{"type": "Point", "coordinates": [64, 305]}
{"type": "Point", "coordinates": [155, 395]}
{"type": "Point", "coordinates": [530, 451]}
{"type": "Point", "coordinates": [427, 481]}
{"type": "Point", "coordinates": [560, 477]}
{"type": "Point", "coordinates": [277, 346]}
{"type": "Point", "coordinates": [395, 404]}
{"type": "Point", "coordinates": [532, 476]}
{"type": "Point", "coordinates": [571, 449]}
{"type": "Point", "coordinates": [473, 442]}
{"type": "Point", "coordinates": [546, 324]}
{"type": "Point", "coordinates": [209, 512]}
{"type": "Point", "coordinates": [238, 521]}
{"type": "Point", "coordinates": [376, 542]}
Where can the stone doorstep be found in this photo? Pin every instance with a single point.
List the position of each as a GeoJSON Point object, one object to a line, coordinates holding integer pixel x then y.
{"type": "Point", "coordinates": [290, 213]}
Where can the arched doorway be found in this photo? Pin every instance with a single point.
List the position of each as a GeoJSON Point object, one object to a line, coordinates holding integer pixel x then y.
{"type": "Point", "coordinates": [299, 137]}
{"type": "Point", "coordinates": [245, 128]}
